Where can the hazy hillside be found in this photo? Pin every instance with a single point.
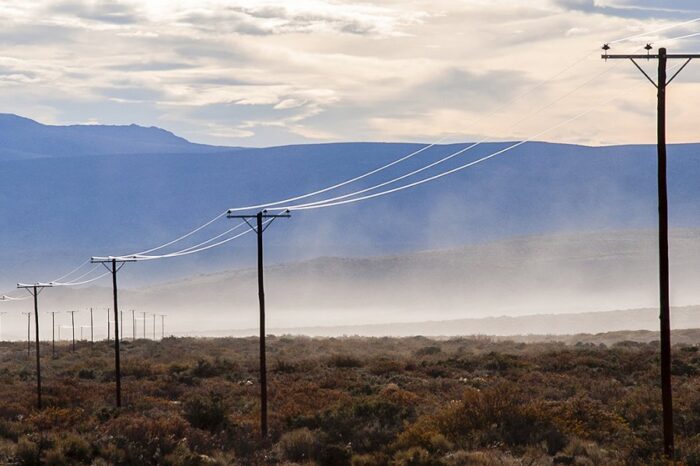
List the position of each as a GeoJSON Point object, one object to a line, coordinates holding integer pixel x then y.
{"type": "Point", "coordinates": [60, 210]}
{"type": "Point", "coordinates": [565, 273]}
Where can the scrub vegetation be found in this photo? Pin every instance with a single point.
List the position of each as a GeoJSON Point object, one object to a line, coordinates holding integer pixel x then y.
{"type": "Point", "coordinates": [348, 401]}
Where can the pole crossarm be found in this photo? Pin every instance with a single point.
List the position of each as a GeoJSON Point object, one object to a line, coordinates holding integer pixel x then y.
{"type": "Point", "coordinates": [263, 215]}
{"type": "Point", "coordinates": [35, 288]}
{"type": "Point", "coordinates": [670, 56]}
{"type": "Point", "coordinates": [109, 260]}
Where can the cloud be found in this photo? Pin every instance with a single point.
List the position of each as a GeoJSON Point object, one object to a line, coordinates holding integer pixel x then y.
{"type": "Point", "coordinates": [630, 9]}
{"type": "Point", "coordinates": [111, 12]}
{"type": "Point", "coordinates": [257, 71]}
{"type": "Point", "coordinates": [153, 66]}
{"type": "Point", "coordinates": [294, 18]}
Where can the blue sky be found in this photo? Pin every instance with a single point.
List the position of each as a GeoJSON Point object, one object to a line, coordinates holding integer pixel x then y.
{"type": "Point", "coordinates": [261, 73]}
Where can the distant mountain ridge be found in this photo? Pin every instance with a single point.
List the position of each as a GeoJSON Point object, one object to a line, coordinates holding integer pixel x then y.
{"type": "Point", "coordinates": [23, 138]}
{"type": "Point", "coordinates": [60, 204]}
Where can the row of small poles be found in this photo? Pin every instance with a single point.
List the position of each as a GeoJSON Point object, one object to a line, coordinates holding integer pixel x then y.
{"type": "Point", "coordinates": [91, 327]}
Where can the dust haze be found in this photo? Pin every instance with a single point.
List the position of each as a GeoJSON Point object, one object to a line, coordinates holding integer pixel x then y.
{"type": "Point", "coordinates": [547, 274]}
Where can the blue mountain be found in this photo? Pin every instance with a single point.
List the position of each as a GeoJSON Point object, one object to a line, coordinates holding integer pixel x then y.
{"type": "Point", "coordinates": [59, 203]}
{"type": "Point", "coordinates": [22, 138]}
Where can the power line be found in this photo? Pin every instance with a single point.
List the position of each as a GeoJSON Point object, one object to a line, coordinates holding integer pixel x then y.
{"type": "Point", "coordinates": [186, 253]}
{"type": "Point", "coordinates": [665, 28]}
{"type": "Point", "coordinates": [83, 282]}
{"type": "Point", "coordinates": [348, 181]}
{"type": "Point", "coordinates": [454, 154]}
{"type": "Point", "coordinates": [445, 173]}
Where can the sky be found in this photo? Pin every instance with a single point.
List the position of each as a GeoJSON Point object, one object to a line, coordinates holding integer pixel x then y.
{"type": "Point", "coordinates": [272, 72]}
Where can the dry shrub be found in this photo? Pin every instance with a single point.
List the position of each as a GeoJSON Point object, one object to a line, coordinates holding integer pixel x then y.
{"type": "Point", "coordinates": [344, 361]}
{"type": "Point", "coordinates": [392, 392]}
{"type": "Point", "coordinates": [133, 438]}
{"type": "Point", "coordinates": [414, 456]}
{"type": "Point", "coordinates": [386, 366]}
{"type": "Point", "coordinates": [298, 445]}
{"type": "Point", "coordinates": [56, 418]}
{"type": "Point", "coordinates": [68, 449]}
{"type": "Point", "coordinates": [497, 415]}
{"type": "Point", "coordinates": [28, 453]}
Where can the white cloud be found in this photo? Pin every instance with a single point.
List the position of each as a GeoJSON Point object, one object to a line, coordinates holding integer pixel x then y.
{"type": "Point", "coordinates": [271, 71]}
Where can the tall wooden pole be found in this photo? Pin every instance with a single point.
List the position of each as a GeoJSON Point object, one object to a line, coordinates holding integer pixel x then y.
{"type": "Point", "coordinates": [261, 299]}
{"type": "Point", "coordinates": [259, 229]}
{"type": "Point", "coordinates": [117, 363]}
{"type": "Point", "coordinates": [664, 301]}
{"type": "Point", "coordinates": [38, 360]}
{"type": "Point", "coordinates": [664, 316]}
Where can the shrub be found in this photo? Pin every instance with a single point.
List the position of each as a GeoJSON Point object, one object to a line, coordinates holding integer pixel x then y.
{"type": "Point", "coordinates": [205, 368]}
{"type": "Point", "coordinates": [414, 456]}
{"type": "Point", "coordinates": [298, 445]}
{"type": "Point", "coordinates": [28, 453]}
{"type": "Point", "coordinates": [428, 350]}
{"type": "Point", "coordinates": [345, 361]}
{"type": "Point", "coordinates": [70, 449]}
{"type": "Point", "coordinates": [205, 411]}
{"type": "Point", "coordinates": [88, 374]}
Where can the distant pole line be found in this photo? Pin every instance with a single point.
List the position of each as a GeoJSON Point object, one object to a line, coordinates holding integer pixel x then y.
{"type": "Point", "coordinates": [133, 325]}
{"type": "Point", "coordinates": [154, 327]}
{"type": "Point", "coordinates": [53, 334]}
{"type": "Point", "coordinates": [113, 266]}
{"type": "Point", "coordinates": [162, 326]}
{"type": "Point", "coordinates": [29, 330]}
{"type": "Point", "coordinates": [109, 328]}
{"type": "Point", "coordinates": [259, 228]}
{"type": "Point", "coordinates": [662, 187]}
{"type": "Point", "coordinates": [121, 318]}
{"type": "Point", "coordinates": [92, 328]}
{"type": "Point", "coordinates": [1, 314]}
{"type": "Point", "coordinates": [72, 323]}
{"type": "Point", "coordinates": [144, 324]}
{"type": "Point", "coordinates": [34, 290]}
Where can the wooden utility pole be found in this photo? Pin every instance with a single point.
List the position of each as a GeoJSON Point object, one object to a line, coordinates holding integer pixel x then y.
{"type": "Point", "coordinates": [114, 265]}
{"type": "Point", "coordinates": [92, 328]}
{"type": "Point", "coordinates": [162, 326]}
{"type": "Point", "coordinates": [665, 313]}
{"type": "Point", "coordinates": [259, 228]}
{"type": "Point", "coordinates": [1, 314]}
{"type": "Point", "coordinates": [53, 334]}
{"type": "Point", "coordinates": [72, 324]}
{"type": "Point", "coordinates": [34, 290]}
{"type": "Point", "coordinates": [29, 333]}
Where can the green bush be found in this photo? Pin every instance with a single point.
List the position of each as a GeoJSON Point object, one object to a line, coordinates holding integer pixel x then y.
{"type": "Point", "coordinates": [205, 411]}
